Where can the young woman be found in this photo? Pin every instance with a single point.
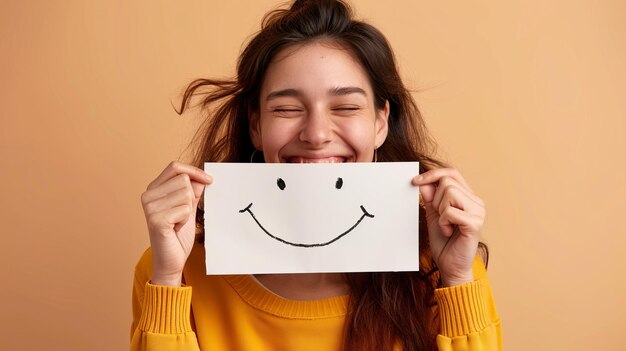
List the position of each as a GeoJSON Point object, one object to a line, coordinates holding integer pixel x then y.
{"type": "Point", "coordinates": [314, 85]}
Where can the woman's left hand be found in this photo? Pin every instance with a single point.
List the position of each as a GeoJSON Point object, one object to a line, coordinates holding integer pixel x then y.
{"type": "Point", "coordinates": [455, 216]}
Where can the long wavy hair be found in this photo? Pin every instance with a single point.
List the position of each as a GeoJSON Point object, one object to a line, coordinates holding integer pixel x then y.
{"type": "Point", "coordinates": [385, 309]}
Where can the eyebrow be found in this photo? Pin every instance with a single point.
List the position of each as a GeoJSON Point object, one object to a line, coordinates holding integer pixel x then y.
{"type": "Point", "coordinates": [339, 91]}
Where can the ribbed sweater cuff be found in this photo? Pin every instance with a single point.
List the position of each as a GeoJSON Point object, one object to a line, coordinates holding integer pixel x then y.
{"type": "Point", "coordinates": [166, 310]}
{"type": "Point", "coordinates": [462, 309]}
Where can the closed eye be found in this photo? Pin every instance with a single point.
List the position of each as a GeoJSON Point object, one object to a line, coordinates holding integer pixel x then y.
{"type": "Point", "coordinates": [346, 110]}
{"type": "Point", "coordinates": [287, 112]}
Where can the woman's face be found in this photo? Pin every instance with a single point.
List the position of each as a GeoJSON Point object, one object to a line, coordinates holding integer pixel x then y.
{"type": "Point", "coordinates": [317, 105]}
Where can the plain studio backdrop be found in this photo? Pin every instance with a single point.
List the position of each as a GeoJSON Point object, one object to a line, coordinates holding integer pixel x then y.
{"type": "Point", "coordinates": [526, 98]}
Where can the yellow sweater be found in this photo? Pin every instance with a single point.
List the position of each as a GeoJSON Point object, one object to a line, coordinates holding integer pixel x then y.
{"type": "Point", "coordinates": [234, 312]}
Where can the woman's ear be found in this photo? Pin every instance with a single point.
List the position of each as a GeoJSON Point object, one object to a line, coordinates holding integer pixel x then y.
{"type": "Point", "coordinates": [382, 125]}
{"type": "Point", "coordinates": [255, 130]}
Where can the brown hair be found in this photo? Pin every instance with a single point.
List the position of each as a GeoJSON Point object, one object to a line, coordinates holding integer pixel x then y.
{"type": "Point", "coordinates": [385, 309]}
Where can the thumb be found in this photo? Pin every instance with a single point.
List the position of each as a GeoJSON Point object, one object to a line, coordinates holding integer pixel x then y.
{"type": "Point", "coordinates": [198, 189]}
{"type": "Point", "coordinates": [428, 195]}
{"type": "Point", "coordinates": [432, 215]}
{"type": "Point", "coordinates": [428, 192]}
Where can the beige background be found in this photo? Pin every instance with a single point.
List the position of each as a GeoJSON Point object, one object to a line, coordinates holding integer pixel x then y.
{"type": "Point", "coordinates": [527, 98]}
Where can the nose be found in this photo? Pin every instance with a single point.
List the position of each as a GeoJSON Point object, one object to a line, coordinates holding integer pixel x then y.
{"type": "Point", "coordinates": [317, 129]}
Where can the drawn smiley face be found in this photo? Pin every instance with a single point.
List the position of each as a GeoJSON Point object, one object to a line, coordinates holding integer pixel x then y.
{"type": "Point", "coordinates": [282, 185]}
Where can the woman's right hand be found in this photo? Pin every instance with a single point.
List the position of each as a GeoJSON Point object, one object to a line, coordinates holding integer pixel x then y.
{"type": "Point", "coordinates": [169, 204]}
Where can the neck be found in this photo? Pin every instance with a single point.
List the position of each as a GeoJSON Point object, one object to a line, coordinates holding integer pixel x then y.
{"type": "Point", "coordinates": [305, 286]}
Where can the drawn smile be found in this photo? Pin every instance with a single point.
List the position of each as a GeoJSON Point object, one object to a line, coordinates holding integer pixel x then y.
{"type": "Point", "coordinates": [365, 214]}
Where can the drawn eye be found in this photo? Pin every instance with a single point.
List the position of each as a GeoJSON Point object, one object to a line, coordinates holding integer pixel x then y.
{"type": "Point", "coordinates": [339, 183]}
{"type": "Point", "coordinates": [281, 184]}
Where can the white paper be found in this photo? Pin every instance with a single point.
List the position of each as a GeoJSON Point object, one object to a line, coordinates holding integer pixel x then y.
{"type": "Point", "coordinates": [348, 217]}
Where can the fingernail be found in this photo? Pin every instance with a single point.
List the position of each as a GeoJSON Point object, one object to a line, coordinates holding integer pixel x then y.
{"type": "Point", "coordinates": [420, 178]}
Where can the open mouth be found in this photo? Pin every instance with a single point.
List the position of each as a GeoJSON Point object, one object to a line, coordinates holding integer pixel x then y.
{"type": "Point", "coordinates": [249, 210]}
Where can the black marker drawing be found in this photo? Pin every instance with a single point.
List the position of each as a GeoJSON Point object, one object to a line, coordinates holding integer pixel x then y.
{"type": "Point", "coordinates": [281, 185]}
{"type": "Point", "coordinates": [365, 214]}
{"type": "Point", "coordinates": [339, 183]}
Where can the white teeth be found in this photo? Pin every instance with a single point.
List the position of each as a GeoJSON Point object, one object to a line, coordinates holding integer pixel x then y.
{"type": "Point", "coordinates": [316, 160]}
